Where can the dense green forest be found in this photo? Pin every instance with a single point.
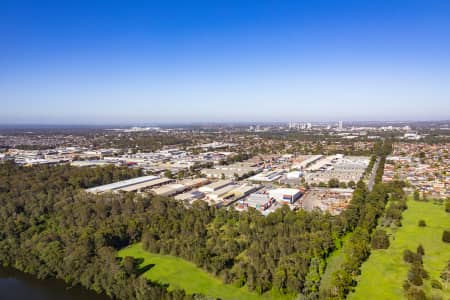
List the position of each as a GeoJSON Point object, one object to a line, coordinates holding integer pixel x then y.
{"type": "Point", "coordinates": [50, 227]}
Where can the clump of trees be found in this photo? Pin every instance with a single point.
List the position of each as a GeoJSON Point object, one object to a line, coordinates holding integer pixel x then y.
{"type": "Point", "coordinates": [393, 215]}
{"type": "Point", "coordinates": [422, 223]}
{"type": "Point", "coordinates": [284, 250]}
{"type": "Point", "coordinates": [416, 274]}
{"type": "Point", "coordinates": [242, 156]}
{"type": "Point", "coordinates": [380, 240]}
{"type": "Point", "coordinates": [333, 183]}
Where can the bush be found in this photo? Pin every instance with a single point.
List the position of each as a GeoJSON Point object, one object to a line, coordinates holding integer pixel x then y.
{"type": "Point", "coordinates": [406, 285]}
{"type": "Point", "coordinates": [409, 256]}
{"type": "Point", "coordinates": [333, 183]}
{"type": "Point", "coordinates": [420, 250]}
{"type": "Point", "coordinates": [415, 278]}
{"type": "Point", "coordinates": [380, 240]}
{"type": "Point", "coordinates": [436, 284]}
{"type": "Point", "coordinates": [446, 236]}
{"type": "Point", "coordinates": [415, 294]}
{"type": "Point", "coordinates": [422, 223]}
{"type": "Point", "coordinates": [129, 265]}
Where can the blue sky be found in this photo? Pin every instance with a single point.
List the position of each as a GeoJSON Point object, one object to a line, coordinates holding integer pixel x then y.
{"type": "Point", "coordinates": [89, 62]}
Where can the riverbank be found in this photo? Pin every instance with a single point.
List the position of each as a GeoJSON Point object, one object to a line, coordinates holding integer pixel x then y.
{"type": "Point", "coordinates": [16, 285]}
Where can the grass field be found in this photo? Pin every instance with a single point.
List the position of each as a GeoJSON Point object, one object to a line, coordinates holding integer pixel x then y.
{"type": "Point", "coordinates": [182, 274]}
{"type": "Point", "coordinates": [334, 263]}
{"type": "Point", "coordinates": [384, 272]}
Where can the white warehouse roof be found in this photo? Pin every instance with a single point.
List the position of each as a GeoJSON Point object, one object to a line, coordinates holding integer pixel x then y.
{"type": "Point", "coordinates": [121, 184]}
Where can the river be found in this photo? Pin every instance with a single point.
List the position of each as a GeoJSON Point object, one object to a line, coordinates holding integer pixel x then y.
{"type": "Point", "coordinates": [15, 285]}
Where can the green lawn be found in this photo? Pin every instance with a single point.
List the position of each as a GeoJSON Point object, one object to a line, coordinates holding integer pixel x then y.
{"type": "Point", "coordinates": [384, 272]}
{"type": "Point", "coordinates": [182, 274]}
{"type": "Point", "coordinates": [334, 263]}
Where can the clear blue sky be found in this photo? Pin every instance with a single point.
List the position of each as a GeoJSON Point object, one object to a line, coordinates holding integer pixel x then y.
{"type": "Point", "coordinates": [184, 61]}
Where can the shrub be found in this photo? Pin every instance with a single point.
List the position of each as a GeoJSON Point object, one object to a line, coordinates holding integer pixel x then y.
{"type": "Point", "coordinates": [446, 236]}
{"type": "Point", "coordinates": [415, 294]}
{"type": "Point", "coordinates": [408, 256]}
{"type": "Point", "coordinates": [380, 240]}
{"type": "Point", "coordinates": [415, 277]}
{"type": "Point", "coordinates": [406, 285]}
{"type": "Point", "coordinates": [422, 223]}
{"type": "Point", "coordinates": [436, 284]}
{"type": "Point", "coordinates": [424, 273]}
{"type": "Point", "coordinates": [333, 183]}
{"type": "Point", "coordinates": [352, 184]}
{"type": "Point", "coordinates": [420, 250]}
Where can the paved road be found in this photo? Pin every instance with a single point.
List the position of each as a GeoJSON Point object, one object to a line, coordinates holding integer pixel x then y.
{"type": "Point", "coordinates": [374, 174]}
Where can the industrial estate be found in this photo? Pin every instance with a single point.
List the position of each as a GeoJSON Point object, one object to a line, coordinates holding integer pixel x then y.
{"type": "Point", "coordinates": [237, 192]}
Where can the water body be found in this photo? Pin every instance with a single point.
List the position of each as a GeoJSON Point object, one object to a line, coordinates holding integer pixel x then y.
{"type": "Point", "coordinates": [15, 285]}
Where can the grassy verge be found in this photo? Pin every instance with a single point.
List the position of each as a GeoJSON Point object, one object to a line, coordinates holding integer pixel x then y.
{"type": "Point", "coordinates": [182, 274]}
{"type": "Point", "coordinates": [384, 272]}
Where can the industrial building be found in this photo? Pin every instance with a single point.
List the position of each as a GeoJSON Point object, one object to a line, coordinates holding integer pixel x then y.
{"type": "Point", "coordinates": [230, 171]}
{"type": "Point", "coordinates": [305, 161]}
{"type": "Point", "coordinates": [239, 192]}
{"type": "Point", "coordinates": [222, 193]}
{"type": "Point", "coordinates": [91, 163]}
{"type": "Point", "coordinates": [212, 187]}
{"type": "Point", "coordinates": [121, 185]}
{"type": "Point", "coordinates": [344, 169]}
{"type": "Point", "coordinates": [259, 201]}
{"type": "Point", "coordinates": [147, 185]}
{"type": "Point", "coordinates": [294, 175]}
{"type": "Point", "coordinates": [267, 176]}
{"type": "Point", "coordinates": [194, 183]}
{"type": "Point", "coordinates": [169, 189]}
{"type": "Point", "coordinates": [190, 196]}
{"type": "Point", "coordinates": [285, 195]}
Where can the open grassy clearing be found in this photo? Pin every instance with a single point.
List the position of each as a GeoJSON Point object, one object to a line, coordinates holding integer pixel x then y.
{"type": "Point", "coordinates": [384, 272]}
{"type": "Point", "coordinates": [182, 274]}
{"type": "Point", "coordinates": [334, 262]}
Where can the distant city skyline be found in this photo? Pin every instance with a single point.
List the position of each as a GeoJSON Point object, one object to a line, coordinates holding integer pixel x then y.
{"type": "Point", "coordinates": [103, 62]}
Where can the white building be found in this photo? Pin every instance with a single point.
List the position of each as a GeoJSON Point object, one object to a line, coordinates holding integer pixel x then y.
{"type": "Point", "coordinates": [267, 176]}
{"type": "Point", "coordinates": [210, 188]}
{"type": "Point", "coordinates": [285, 195]}
{"type": "Point", "coordinates": [294, 175]}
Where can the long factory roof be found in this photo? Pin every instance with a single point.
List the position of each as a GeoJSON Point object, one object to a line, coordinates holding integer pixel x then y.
{"type": "Point", "coordinates": [121, 184]}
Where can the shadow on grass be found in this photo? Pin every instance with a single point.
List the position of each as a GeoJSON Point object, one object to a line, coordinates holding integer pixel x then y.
{"type": "Point", "coordinates": [141, 270]}
{"type": "Point", "coordinates": [144, 269]}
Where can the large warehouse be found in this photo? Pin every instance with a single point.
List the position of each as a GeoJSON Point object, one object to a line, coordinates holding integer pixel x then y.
{"type": "Point", "coordinates": [127, 185]}
{"type": "Point", "coordinates": [285, 195]}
